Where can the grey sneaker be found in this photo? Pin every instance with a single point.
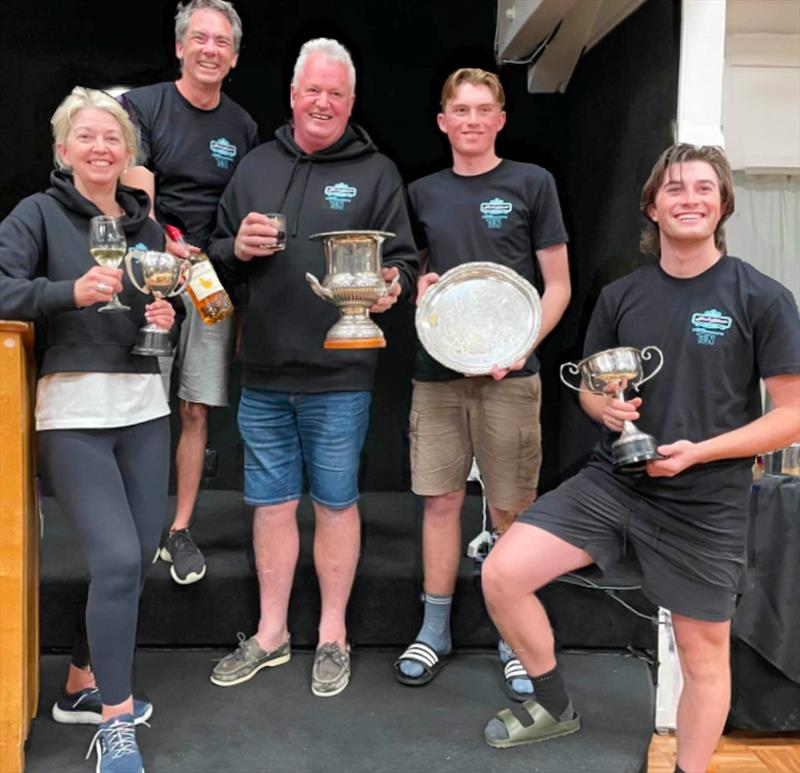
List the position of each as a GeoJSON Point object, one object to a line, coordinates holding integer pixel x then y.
{"type": "Point", "coordinates": [247, 660]}
{"type": "Point", "coordinates": [331, 672]}
{"type": "Point", "coordinates": [188, 564]}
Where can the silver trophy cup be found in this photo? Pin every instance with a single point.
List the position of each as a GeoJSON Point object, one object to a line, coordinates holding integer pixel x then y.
{"type": "Point", "coordinates": [352, 283]}
{"type": "Point", "coordinates": [164, 276]}
{"type": "Point", "coordinates": [633, 447]}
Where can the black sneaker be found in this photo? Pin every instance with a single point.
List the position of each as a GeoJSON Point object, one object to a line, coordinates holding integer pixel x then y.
{"type": "Point", "coordinates": [188, 564]}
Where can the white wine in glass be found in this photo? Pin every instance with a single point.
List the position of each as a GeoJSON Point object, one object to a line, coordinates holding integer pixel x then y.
{"type": "Point", "coordinates": [108, 246]}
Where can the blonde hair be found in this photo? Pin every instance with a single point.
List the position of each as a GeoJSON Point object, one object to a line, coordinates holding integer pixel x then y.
{"type": "Point", "coordinates": [475, 77]}
{"type": "Point", "coordinates": [680, 153]}
{"type": "Point", "coordinates": [81, 98]}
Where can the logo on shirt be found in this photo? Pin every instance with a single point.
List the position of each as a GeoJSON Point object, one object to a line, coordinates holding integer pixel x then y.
{"type": "Point", "coordinates": [340, 194]}
{"type": "Point", "coordinates": [495, 211]}
{"type": "Point", "coordinates": [223, 152]}
{"type": "Point", "coordinates": [139, 247]}
{"type": "Point", "coordinates": [709, 324]}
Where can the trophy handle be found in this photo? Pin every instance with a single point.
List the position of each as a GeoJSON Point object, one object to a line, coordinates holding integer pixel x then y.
{"type": "Point", "coordinates": [647, 354]}
{"type": "Point", "coordinates": [389, 286]}
{"type": "Point", "coordinates": [322, 292]}
{"type": "Point", "coordinates": [183, 279]}
{"type": "Point", "coordinates": [573, 370]}
{"type": "Point", "coordinates": [129, 258]}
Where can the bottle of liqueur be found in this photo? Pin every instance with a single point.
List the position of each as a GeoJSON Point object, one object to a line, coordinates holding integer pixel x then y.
{"type": "Point", "coordinates": [206, 291]}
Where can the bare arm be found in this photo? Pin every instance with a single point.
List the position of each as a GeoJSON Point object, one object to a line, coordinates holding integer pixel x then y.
{"type": "Point", "coordinates": [776, 429]}
{"type": "Point", "coordinates": [141, 177]}
{"type": "Point", "coordinates": [554, 264]}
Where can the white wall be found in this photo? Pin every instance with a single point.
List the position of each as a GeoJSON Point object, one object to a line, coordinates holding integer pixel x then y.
{"type": "Point", "coordinates": [761, 102]}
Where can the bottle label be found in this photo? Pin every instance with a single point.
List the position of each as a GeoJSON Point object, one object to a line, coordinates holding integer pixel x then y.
{"type": "Point", "coordinates": [204, 280]}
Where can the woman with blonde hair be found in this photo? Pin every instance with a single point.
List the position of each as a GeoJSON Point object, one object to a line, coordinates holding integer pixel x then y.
{"type": "Point", "coordinates": [101, 412]}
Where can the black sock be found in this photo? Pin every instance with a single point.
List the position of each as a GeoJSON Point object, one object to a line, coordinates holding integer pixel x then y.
{"type": "Point", "coordinates": [549, 691]}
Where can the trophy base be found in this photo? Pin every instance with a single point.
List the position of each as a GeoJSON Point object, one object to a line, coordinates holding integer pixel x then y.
{"type": "Point", "coordinates": [152, 341]}
{"type": "Point", "coordinates": [632, 453]}
{"type": "Point", "coordinates": [356, 343]}
{"type": "Point", "coordinates": [354, 331]}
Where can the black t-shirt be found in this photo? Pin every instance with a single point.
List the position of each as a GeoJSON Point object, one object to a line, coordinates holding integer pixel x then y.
{"type": "Point", "coordinates": [192, 153]}
{"type": "Point", "coordinates": [720, 332]}
{"type": "Point", "coordinates": [502, 216]}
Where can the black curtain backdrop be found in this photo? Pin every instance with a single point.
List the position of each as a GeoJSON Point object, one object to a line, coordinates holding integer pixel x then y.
{"type": "Point", "coordinates": [599, 139]}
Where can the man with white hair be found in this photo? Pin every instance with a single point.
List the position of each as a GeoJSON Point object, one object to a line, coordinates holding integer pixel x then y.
{"type": "Point", "coordinates": [303, 406]}
{"type": "Point", "coordinates": [193, 137]}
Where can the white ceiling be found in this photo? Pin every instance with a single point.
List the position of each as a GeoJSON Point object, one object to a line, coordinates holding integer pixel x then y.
{"type": "Point", "coordinates": [775, 16]}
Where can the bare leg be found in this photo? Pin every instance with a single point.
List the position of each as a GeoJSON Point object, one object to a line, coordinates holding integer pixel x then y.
{"type": "Point", "coordinates": [79, 679]}
{"type": "Point", "coordinates": [441, 542]}
{"type": "Point", "coordinates": [522, 561]}
{"type": "Point", "coordinates": [276, 543]}
{"type": "Point", "coordinates": [337, 541]}
{"type": "Point", "coordinates": [706, 697]}
{"type": "Point", "coordinates": [189, 460]}
{"type": "Point", "coordinates": [501, 519]}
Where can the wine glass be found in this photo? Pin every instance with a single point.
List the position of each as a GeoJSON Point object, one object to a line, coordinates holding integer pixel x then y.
{"type": "Point", "coordinates": [107, 245]}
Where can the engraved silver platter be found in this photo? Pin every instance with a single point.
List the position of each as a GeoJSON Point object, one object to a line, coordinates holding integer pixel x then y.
{"type": "Point", "coordinates": [478, 315]}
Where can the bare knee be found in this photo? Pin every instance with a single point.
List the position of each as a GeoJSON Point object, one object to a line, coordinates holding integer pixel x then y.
{"type": "Point", "coordinates": [704, 650]}
{"type": "Point", "coordinates": [500, 582]}
{"type": "Point", "coordinates": [329, 514]}
{"type": "Point", "coordinates": [444, 506]}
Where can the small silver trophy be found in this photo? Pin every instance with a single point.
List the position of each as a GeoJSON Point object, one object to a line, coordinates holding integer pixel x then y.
{"type": "Point", "coordinates": [352, 283]}
{"type": "Point", "coordinates": [164, 276]}
{"type": "Point", "coordinates": [634, 447]}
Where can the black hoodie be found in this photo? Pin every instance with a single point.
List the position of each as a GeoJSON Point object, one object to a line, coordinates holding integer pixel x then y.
{"type": "Point", "coordinates": [44, 249]}
{"type": "Point", "coordinates": [347, 186]}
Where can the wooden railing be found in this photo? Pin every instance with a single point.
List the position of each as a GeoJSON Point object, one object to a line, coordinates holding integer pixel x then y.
{"type": "Point", "coordinates": [19, 546]}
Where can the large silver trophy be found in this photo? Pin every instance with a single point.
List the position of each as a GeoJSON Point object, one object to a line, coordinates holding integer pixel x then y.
{"type": "Point", "coordinates": [164, 276]}
{"type": "Point", "coordinates": [634, 447]}
{"type": "Point", "coordinates": [352, 283]}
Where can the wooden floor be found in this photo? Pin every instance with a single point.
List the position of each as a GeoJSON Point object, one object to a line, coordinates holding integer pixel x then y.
{"type": "Point", "coordinates": [738, 752]}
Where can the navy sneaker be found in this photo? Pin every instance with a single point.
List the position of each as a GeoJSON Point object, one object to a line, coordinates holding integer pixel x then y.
{"type": "Point", "coordinates": [85, 707]}
{"type": "Point", "coordinates": [116, 747]}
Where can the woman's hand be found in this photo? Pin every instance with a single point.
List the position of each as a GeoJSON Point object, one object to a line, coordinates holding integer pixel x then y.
{"type": "Point", "coordinates": [97, 285]}
{"type": "Point", "coordinates": [160, 313]}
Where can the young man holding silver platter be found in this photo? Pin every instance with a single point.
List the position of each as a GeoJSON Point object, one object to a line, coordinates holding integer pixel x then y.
{"type": "Point", "coordinates": [483, 208]}
{"type": "Point", "coordinates": [721, 326]}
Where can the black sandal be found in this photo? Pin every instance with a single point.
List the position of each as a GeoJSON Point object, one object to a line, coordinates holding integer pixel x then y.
{"type": "Point", "coordinates": [423, 655]}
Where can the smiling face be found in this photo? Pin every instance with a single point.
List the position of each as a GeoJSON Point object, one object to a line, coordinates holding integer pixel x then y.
{"type": "Point", "coordinates": [95, 150]}
{"type": "Point", "coordinates": [472, 120]}
{"type": "Point", "coordinates": [207, 51]}
{"type": "Point", "coordinates": [688, 203]}
{"type": "Point", "coordinates": [322, 101]}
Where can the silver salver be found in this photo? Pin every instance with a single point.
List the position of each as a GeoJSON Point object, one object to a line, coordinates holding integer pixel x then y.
{"type": "Point", "coordinates": [478, 315]}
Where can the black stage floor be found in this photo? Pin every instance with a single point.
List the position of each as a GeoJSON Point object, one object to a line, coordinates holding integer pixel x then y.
{"type": "Point", "coordinates": [274, 724]}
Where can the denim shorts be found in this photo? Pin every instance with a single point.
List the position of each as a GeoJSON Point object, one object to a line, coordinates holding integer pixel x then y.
{"type": "Point", "coordinates": [283, 431]}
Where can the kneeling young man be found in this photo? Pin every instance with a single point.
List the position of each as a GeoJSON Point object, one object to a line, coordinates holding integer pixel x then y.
{"type": "Point", "coordinates": [686, 515]}
{"type": "Point", "coordinates": [484, 208]}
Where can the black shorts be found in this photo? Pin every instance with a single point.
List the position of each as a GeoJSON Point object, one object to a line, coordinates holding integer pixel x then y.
{"type": "Point", "coordinates": [597, 512]}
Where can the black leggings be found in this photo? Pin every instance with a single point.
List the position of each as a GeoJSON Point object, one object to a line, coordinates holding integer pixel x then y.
{"type": "Point", "coordinates": [112, 485]}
